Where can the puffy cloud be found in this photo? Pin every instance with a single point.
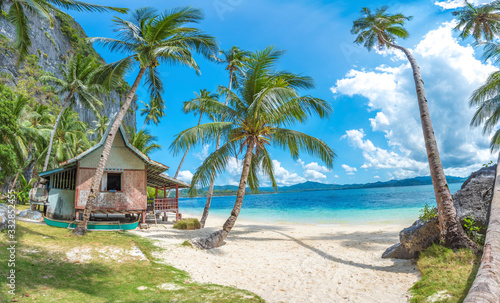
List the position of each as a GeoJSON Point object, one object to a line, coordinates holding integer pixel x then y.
{"type": "Point", "coordinates": [451, 72]}
{"type": "Point", "coordinates": [313, 166]}
{"type": "Point", "coordinates": [376, 177]}
{"type": "Point", "coordinates": [452, 4]}
{"type": "Point", "coordinates": [284, 177]}
{"type": "Point", "coordinates": [313, 175]}
{"type": "Point", "coordinates": [204, 152]}
{"type": "Point", "coordinates": [185, 175]}
{"type": "Point", "coordinates": [348, 169]}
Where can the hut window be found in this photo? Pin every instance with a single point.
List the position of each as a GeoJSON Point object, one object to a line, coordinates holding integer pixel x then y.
{"type": "Point", "coordinates": [113, 182]}
{"type": "Point", "coordinates": [64, 180]}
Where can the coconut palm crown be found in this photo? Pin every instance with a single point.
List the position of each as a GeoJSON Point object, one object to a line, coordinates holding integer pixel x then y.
{"type": "Point", "coordinates": [379, 29]}
{"type": "Point", "coordinates": [481, 22]}
{"type": "Point", "coordinates": [16, 14]}
{"type": "Point", "coordinates": [266, 102]}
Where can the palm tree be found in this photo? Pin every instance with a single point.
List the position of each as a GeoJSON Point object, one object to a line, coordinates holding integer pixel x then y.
{"type": "Point", "coordinates": [478, 21]}
{"type": "Point", "coordinates": [266, 101]}
{"type": "Point", "coordinates": [381, 29]}
{"type": "Point", "coordinates": [153, 112]}
{"type": "Point", "coordinates": [150, 39]}
{"type": "Point", "coordinates": [202, 105]}
{"type": "Point", "coordinates": [100, 125]}
{"type": "Point", "coordinates": [143, 141]}
{"type": "Point", "coordinates": [16, 15]}
{"type": "Point", "coordinates": [71, 137]}
{"type": "Point", "coordinates": [234, 59]}
{"type": "Point", "coordinates": [79, 82]}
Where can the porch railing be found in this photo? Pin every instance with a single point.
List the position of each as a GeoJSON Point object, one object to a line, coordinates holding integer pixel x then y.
{"type": "Point", "coordinates": [166, 205]}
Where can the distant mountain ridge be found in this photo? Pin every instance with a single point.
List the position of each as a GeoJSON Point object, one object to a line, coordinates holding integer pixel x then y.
{"type": "Point", "coordinates": [315, 186]}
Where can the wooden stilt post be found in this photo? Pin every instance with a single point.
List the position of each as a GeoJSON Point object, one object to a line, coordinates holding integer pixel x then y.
{"type": "Point", "coordinates": [154, 204]}
{"type": "Point", "coordinates": [177, 201]}
{"type": "Point", "coordinates": [143, 217]}
{"type": "Point", "coordinates": [165, 218]}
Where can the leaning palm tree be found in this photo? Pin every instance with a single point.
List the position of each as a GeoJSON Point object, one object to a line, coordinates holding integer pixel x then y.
{"type": "Point", "coordinates": [479, 21]}
{"type": "Point", "coordinates": [200, 104]}
{"type": "Point", "coordinates": [100, 125]}
{"type": "Point", "coordinates": [234, 59]}
{"type": "Point", "coordinates": [150, 39]}
{"type": "Point", "coordinates": [266, 101]}
{"type": "Point", "coordinates": [153, 112]}
{"type": "Point", "coordinates": [143, 141]}
{"type": "Point", "coordinates": [79, 81]}
{"type": "Point", "coordinates": [381, 29]}
{"type": "Point", "coordinates": [16, 15]}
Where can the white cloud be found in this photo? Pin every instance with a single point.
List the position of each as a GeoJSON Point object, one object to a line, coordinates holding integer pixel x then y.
{"type": "Point", "coordinates": [452, 4]}
{"type": "Point", "coordinates": [451, 72]}
{"type": "Point", "coordinates": [185, 175]}
{"type": "Point", "coordinates": [313, 175]}
{"type": "Point", "coordinates": [204, 152]}
{"type": "Point", "coordinates": [348, 169]}
{"type": "Point", "coordinates": [313, 166]}
{"type": "Point", "coordinates": [376, 177]}
{"type": "Point", "coordinates": [284, 177]}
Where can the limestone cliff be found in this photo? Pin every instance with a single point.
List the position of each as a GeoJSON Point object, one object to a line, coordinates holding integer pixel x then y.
{"type": "Point", "coordinates": [51, 47]}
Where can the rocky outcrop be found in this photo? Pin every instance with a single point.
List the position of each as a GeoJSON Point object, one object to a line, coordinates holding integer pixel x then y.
{"type": "Point", "coordinates": [413, 240]}
{"type": "Point", "coordinates": [31, 214]}
{"type": "Point", "coordinates": [3, 216]}
{"type": "Point", "coordinates": [472, 200]}
{"type": "Point", "coordinates": [51, 47]}
{"type": "Point", "coordinates": [474, 197]}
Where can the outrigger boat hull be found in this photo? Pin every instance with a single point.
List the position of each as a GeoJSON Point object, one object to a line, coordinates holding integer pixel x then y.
{"type": "Point", "coordinates": [93, 225]}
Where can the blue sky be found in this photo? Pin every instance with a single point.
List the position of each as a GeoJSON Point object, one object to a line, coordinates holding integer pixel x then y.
{"type": "Point", "coordinates": [375, 129]}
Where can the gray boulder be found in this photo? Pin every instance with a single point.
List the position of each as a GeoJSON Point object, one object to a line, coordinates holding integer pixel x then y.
{"type": "Point", "coordinates": [472, 200]}
{"type": "Point", "coordinates": [474, 197]}
{"type": "Point", "coordinates": [3, 218]}
{"type": "Point", "coordinates": [413, 240]}
{"type": "Point", "coordinates": [31, 214]}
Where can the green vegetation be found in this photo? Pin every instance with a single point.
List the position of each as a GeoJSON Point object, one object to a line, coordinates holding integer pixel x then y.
{"type": "Point", "coordinates": [473, 230]}
{"type": "Point", "coordinates": [428, 213]}
{"type": "Point", "coordinates": [444, 273]}
{"type": "Point", "coordinates": [8, 129]}
{"type": "Point", "coordinates": [189, 224]}
{"type": "Point", "coordinates": [50, 270]}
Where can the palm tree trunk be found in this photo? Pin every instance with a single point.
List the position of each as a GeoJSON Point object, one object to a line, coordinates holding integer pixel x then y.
{"type": "Point", "coordinates": [486, 286]}
{"type": "Point", "coordinates": [215, 239]}
{"type": "Point", "coordinates": [183, 157]}
{"type": "Point", "coordinates": [15, 180]}
{"type": "Point", "coordinates": [53, 131]}
{"type": "Point", "coordinates": [81, 229]}
{"type": "Point", "coordinates": [452, 232]}
{"type": "Point", "coordinates": [212, 179]}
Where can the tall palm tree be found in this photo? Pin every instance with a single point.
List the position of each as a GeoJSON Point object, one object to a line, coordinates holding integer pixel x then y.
{"type": "Point", "coordinates": [381, 29]}
{"type": "Point", "coordinates": [150, 39]}
{"type": "Point", "coordinates": [200, 104]}
{"type": "Point", "coordinates": [143, 141]}
{"type": "Point", "coordinates": [266, 101]}
{"type": "Point", "coordinates": [479, 21]}
{"type": "Point", "coordinates": [486, 286]}
{"type": "Point", "coordinates": [153, 112]}
{"type": "Point", "coordinates": [79, 81]}
{"type": "Point", "coordinates": [71, 137]}
{"type": "Point", "coordinates": [234, 59]}
{"type": "Point", "coordinates": [16, 15]}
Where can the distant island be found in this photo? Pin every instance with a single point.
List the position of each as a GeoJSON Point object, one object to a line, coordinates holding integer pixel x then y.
{"type": "Point", "coordinates": [230, 190]}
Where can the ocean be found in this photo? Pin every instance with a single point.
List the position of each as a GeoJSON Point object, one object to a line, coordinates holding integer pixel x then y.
{"type": "Point", "coordinates": [387, 205]}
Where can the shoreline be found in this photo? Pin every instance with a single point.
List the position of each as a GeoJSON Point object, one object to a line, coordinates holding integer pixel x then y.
{"type": "Point", "coordinates": [286, 262]}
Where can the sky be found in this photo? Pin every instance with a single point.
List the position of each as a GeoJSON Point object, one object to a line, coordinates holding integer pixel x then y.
{"type": "Point", "coordinates": [375, 129]}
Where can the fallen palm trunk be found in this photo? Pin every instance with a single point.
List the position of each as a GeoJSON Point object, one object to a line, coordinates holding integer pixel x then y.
{"type": "Point", "coordinates": [486, 286]}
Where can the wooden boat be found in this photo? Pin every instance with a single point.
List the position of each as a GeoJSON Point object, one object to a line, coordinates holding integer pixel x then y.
{"type": "Point", "coordinates": [94, 225]}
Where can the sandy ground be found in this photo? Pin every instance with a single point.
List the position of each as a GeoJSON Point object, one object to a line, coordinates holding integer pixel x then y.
{"type": "Point", "coordinates": [294, 263]}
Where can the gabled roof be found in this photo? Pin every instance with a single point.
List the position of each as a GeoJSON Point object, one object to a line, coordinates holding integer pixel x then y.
{"type": "Point", "coordinates": [155, 176]}
{"type": "Point", "coordinates": [156, 166]}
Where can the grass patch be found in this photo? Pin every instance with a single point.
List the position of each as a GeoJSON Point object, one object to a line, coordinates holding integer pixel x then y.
{"type": "Point", "coordinates": [191, 224]}
{"type": "Point", "coordinates": [187, 243]}
{"type": "Point", "coordinates": [445, 271]}
{"type": "Point", "coordinates": [45, 272]}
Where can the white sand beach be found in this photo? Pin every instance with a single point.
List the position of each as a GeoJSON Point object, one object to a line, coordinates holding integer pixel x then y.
{"type": "Point", "coordinates": [294, 263]}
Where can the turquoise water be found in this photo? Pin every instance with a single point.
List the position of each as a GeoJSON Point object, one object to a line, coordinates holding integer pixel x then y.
{"type": "Point", "coordinates": [352, 206]}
